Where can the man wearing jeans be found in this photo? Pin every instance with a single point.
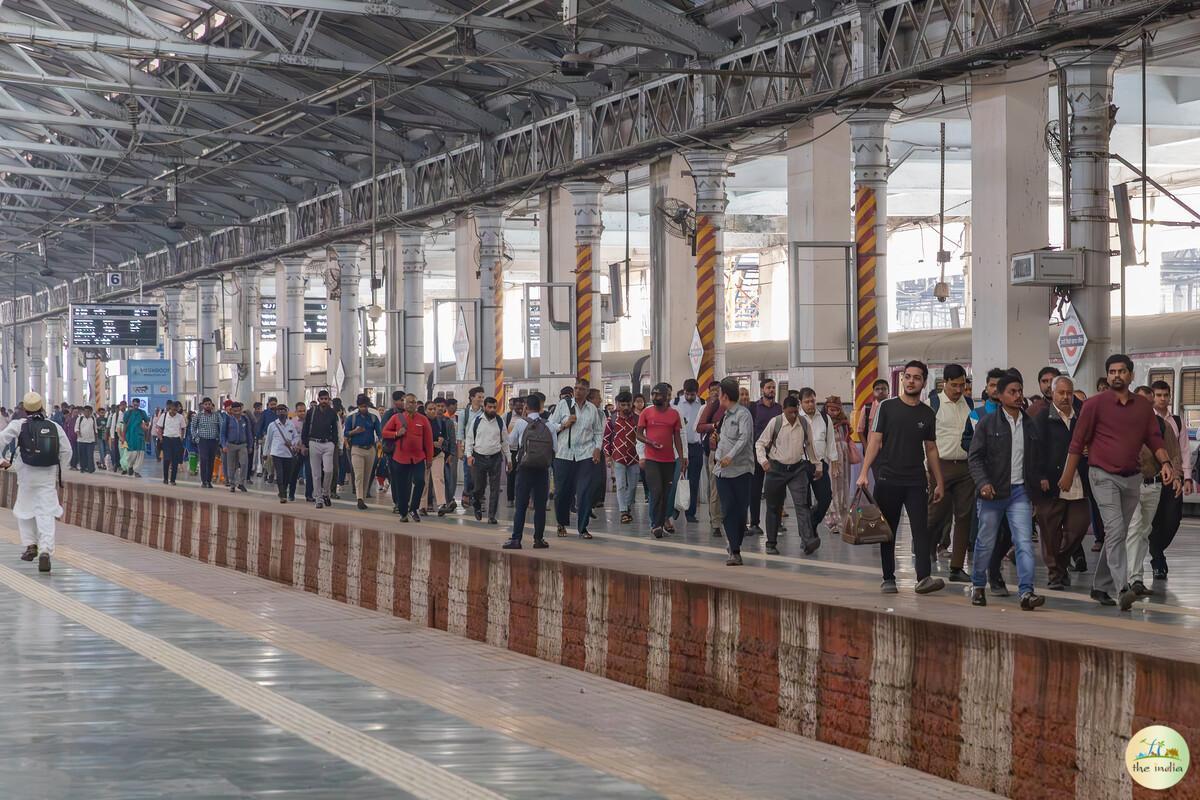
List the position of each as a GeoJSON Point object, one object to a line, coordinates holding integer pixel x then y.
{"type": "Point", "coordinates": [1137, 539]}
{"type": "Point", "coordinates": [1113, 426]}
{"type": "Point", "coordinates": [902, 440]}
{"type": "Point", "coordinates": [579, 429]}
{"type": "Point", "coordinates": [319, 436]}
{"type": "Point", "coordinates": [734, 467]}
{"type": "Point", "coordinates": [235, 444]}
{"type": "Point", "coordinates": [206, 428]}
{"type": "Point", "coordinates": [619, 445]}
{"type": "Point", "coordinates": [1003, 462]}
{"type": "Point", "coordinates": [1170, 504]}
{"type": "Point", "coordinates": [706, 426]}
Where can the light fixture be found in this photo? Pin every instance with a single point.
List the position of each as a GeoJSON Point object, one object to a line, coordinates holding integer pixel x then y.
{"type": "Point", "coordinates": [375, 312]}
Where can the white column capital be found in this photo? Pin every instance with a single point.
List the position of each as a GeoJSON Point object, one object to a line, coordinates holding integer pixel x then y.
{"type": "Point", "coordinates": [709, 169]}
{"type": "Point", "coordinates": [412, 251]}
{"type": "Point", "coordinates": [489, 222]}
{"type": "Point", "coordinates": [869, 133]}
{"type": "Point", "coordinates": [585, 199]}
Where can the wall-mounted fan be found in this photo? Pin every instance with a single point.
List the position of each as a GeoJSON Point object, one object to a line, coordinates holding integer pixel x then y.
{"type": "Point", "coordinates": [679, 219]}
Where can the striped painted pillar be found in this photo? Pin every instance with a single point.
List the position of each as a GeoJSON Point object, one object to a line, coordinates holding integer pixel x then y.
{"type": "Point", "coordinates": [709, 169]}
{"type": "Point", "coordinates": [585, 198]}
{"type": "Point", "coordinates": [489, 228]}
{"type": "Point", "coordinates": [868, 141]}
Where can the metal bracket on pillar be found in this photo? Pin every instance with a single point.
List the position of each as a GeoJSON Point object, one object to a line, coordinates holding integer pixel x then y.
{"type": "Point", "coordinates": [544, 289]}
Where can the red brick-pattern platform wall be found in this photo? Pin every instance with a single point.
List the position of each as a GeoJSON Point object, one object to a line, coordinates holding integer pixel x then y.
{"type": "Point", "coordinates": [1020, 716]}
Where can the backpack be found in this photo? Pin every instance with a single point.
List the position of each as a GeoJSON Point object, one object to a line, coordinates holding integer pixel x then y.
{"type": "Point", "coordinates": [389, 445]}
{"type": "Point", "coordinates": [537, 446]}
{"type": "Point", "coordinates": [38, 442]}
{"type": "Point", "coordinates": [499, 424]}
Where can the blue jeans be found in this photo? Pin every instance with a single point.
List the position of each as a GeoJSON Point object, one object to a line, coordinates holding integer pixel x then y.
{"type": "Point", "coordinates": [628, 476]}
{"type": "Point", "coordinates": [695, 467]}
{"type": "Point", "coordinates": [1018, 510]}
{"type": "Point", "coordinates": [573, 481]}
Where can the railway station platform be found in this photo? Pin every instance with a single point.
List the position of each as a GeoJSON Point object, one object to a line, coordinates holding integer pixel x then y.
{"type": "Point", "coordinates": [303, 649]}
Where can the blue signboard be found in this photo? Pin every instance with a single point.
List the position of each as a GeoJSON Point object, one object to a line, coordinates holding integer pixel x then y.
{"type": "Point", "coordinates": [150, 381]}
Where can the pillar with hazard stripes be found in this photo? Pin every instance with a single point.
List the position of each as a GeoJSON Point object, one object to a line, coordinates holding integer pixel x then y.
{"type": "Point", "coordinates": [489, 228]}
{"type": "Point", "coordinates": [869, 140]}
{"type": "Point", "coordinates": [710, 169]}
{"type": "Point", "coordinates": [585, 197]}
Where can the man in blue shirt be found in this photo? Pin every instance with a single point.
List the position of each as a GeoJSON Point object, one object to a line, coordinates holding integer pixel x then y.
{"type": "Point", "coordinates": [235, 445]}
{"type": "Point", "coordinates": [362, 432]}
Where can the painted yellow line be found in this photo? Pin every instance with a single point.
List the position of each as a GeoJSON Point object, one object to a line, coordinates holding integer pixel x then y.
{"type": "Point", "coordinates": [407, 772]}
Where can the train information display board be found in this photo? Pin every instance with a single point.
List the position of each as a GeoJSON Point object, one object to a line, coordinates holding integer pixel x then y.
{"type": "Point", "coordinates": [114, 325]}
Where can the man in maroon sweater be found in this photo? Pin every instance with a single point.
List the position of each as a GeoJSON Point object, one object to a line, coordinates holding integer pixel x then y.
{"type": "Point", "coordinates": [1113, 426]}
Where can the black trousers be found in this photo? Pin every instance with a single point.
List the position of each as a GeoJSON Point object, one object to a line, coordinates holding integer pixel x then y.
{"type": "Point", "coordinates": [485, 477]}
{"type": "Point", "coordinates": [822, 493]}
{"type": "Point", "coordinates": [1165, 526]}
{"type": "Point", "coordinates": [784, 479]}
{"type": "Point", "coordinates": [531, 484]}
{"type": "Point", "coordinates": [735, 496]}
{"type": "Point", "coordinates": [659, 475]}
{"type": "Point", "coordinates": [408, 483]}
{"type": "Point", "coordinates": [285, 477]}
{"type": "Point", "coordinates": [172, 449]}
{"type": "Point", "coordinates": [573, 478]}
{"type": "Point", "coordinates": [756, 491]}
{"type": "Point", "coordinates": [893, 499]}
{"type": "Point", "coordinates": [208, 455]}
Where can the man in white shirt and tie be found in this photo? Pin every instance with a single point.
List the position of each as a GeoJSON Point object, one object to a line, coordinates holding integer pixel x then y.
{"type": "Point", "coordinates": [825, 446]}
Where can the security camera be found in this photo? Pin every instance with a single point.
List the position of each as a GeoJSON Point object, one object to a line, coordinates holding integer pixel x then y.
{"type": "Point", "coordinates": [941, 291]}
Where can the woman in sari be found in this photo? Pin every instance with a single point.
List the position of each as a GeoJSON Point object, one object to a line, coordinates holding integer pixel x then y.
{"type": "Point", "coordinates": [839, 471]}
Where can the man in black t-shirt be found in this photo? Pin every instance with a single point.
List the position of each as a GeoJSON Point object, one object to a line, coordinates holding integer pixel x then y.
{"type": "Point", "coordinates": [903, 437]}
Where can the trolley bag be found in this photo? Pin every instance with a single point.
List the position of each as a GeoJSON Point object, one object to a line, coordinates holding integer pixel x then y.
{"type": "Point", "coordinates": [864, 523]}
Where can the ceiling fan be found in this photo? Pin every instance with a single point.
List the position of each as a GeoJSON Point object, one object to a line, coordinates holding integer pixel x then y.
{"type": "Point", "coordinates": [679, 220]}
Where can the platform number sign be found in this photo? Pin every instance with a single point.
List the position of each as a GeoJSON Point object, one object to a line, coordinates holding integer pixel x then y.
{"type": "Point", "coordinates": [1072, 340]}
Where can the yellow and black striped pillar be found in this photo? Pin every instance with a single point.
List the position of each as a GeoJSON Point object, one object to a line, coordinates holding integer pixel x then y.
{"type": "Point", "coordinates": [709, 169]}
{"type": "Point", "coordinates": [865, 375]}
{"type": "Point", "coordinates": [706, 297]}
{"type": "Point", "coordinates": [498, 391]}
{"type": "Point", "coordinates": [583, 310]}
{"type": "Point", "coordinates": [585, 198]}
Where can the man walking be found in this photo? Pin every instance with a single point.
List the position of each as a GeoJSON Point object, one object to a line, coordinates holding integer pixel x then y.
{"type": "Point", "coordinates": [786, 454]}
{"type": "Point", "coordinates": [206, 429]}
{"type": "Point", "coordinates": [689, 407]}
{"type": "Point", "coordinates": [534, 444]}
{"type": "Point", "coordinates": [1045, 397]}
{"type": "Point", "coordinates": [762, 411]}
{"type": "Point", "coordinates": [1137, 541]}
{"type": "Point", "coordinates": [902, 441]}
{"type": "Point", "coordinates": [706, 426]}
{"type": "Point", "coordinates": [825, 446]}
{"type": "Point", "coordinates": [659, 428]}
{"type": "Point", "coordinates": [134, 435]}
{"type": "Point", "coordinates": [1063, 516]}
{"type": "Point", "coordinates": [1113, 426]}
{"type": "Point", "coordinates": [85, 441]}
{"type": "Point", "coordinates": [235, 446]}
{"type": "Point", "coordinates": [282, 443]}
{"type": "Point", "coordinates": [174, 431]}
{"type": "Point", "coordinates": [620, 446]}
{"type": "Point", "coordinates": [951, 413]}
{"type": "Point", "coordinates": [1003, 462]}
{"type": "Point", "coordinates": [319, 438]}
{"type": "Point", "coordinates": [267, 418]}
{"type": "Point", "coordinates": [487, 456]}
{"type": "Point", "coordinates": [1170, 504]}
{"type": "Point", "coordinates": [734, 467]}
{"type": "Point", "coordinates": [579, 430]}
{"type": "Point", "coordinates": [42, 453]}
{"type": "Point", "coordinates": [362, 430]}
{"type": "Point", "coordinates": [413, 452]}
{"type": "Point", "coordinates": [466, 419]}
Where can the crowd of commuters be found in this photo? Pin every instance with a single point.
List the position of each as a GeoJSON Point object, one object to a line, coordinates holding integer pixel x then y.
{"type": "Point", "coordinates": [983, 478]}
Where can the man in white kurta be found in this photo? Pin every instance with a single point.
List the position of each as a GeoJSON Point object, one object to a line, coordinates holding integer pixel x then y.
{"type": "Point", "coordinates": [37, 503]}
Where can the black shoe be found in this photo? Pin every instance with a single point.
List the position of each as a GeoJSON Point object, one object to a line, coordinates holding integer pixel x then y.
{"type": "Point", "coordinates": [232, 489]}
{"type": "Point", "coordinates": [1127, 598]}
{"type": "Point", "coordinates": [734, 560]}
{"type": "Point", "coordinates": [584, 535]}
{"type": "Point", "coordinates": [755, 531]}
{"type": "Point", "coordinates": [1079, 565]}
{"type": "Point", "coordinates": [929, 584]}
{"type": "Point", "coordinates": [717, 532]}
{"type": "Point", "coordinates": [283, 500]}
{"type": "Point", "coordinates": [291, 498]}
{"type": "Point", "coordinates": [404, 517]}
{"type": "Point", "coordinates": [888, 586]}
{"type": "Point", "coordinates": [958, 576]}
{"type": "Point", "coordinates": [241, 488]}
{"type": "Point", "coordinates": [308, 498]}
{"type": "Point", "coordinates": [441, 512]}
{"type": "Point", "coordinates": [656, 532]}
{"type": "Point", "coordinates": [172, 483]}
{"type": "Point", "coordinates": [978, 596]}
{"type": "Point", "coordinates": [562, 532]}
{"type": "Point", "coordinates": [1102, 598]}
{"type": "Point", "coordinates": [513, 544]}
{"type": "Point", "coordinates": [812, 547]}
{"type": "Point", "coordinates": [1160, 574]}
{"type": "Point", "coordinates": [1056, 586]}
{"type": "Point", "coordinates": [1140, 589]}
{"type": "Point", "coordinates": [362, 505]}
{"type": "Point", "coordinates": [30, 553]}
{"type": "Point", "coordinates": [395, 509]}
{"type": "Point", "coordinates": [416, 517]}
{"type": "Point", "coordinates": [478, 515]}
{"type": "Point", "coordinates": [692, 520]}
{"type": "Point", "coordinates": [540, 544]}
{"type": "Point", "coordinates": [999, 589]}
{"type": "Point", "coordinates": [44, 562]}
{"type": "Point", "coordinates": [772, 550]}
{"type": "Point", "coordinates": [1066, 579]}
{"type": "Point", "coordinates": [492, 521]}
{"type": "Point", "coordinates": [1030, 601]}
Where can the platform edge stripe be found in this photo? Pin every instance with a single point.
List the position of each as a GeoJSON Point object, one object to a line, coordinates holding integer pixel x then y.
{"type": "Point", "coordinates": [354, 567]}
{"type": "Point", "coordinates": [253, 539]}
{"type": "Point", "coordinates": [498, 610]}
{"type": "Point", "coordinates": [550, 610]}
{"type": "Point", "coordinates": [300, 544]}
{"type": "Point", "coordinates": [726, 635]}
{"type": "Point", "coordinates": [418, 585]}
{"type": "Point", "coordinates": [409, 773]}
{"type": "Point", "coordinates": [595, 642]}
{"type": "Point", "coordinates": [986, 706]}
{"type": "Point", "coordinates": [1103, 723]}
{"type": "Point", "coordinates": [658, 657]}
{"type": "Point", "coordinates": [385, 575]}
{"type": "Point", "coordinates": [891, 686]}
{"type": "Point", "coordinates": [456, 589]}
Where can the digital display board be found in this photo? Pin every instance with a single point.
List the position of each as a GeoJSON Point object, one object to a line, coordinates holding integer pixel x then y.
{"type": "Point", "coordinates": [316, 320]}
{"type": "Point", "coordinates": [114, 325]}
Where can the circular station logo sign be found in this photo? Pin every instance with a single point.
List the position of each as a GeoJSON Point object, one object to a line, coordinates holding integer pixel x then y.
{"type": "Point", "coordinates": [1072, 339]}
{"type": "Point", "coordinates": [1157, 757]}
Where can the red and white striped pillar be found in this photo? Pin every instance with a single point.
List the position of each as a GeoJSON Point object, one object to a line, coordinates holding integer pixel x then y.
{"type": "Point", "coordinates": [869, 143]}
{"type": "Point", "coordinates": [585, 197]}
{"type": "Point", "coordinates": [489, 229]}
{"type": "Point", "coordinates": [710, 169]}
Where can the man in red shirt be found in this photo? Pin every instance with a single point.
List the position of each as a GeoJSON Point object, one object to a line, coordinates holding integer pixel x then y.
{"type": "Point", "coordinates": [620, 446]}
{"type": "Point", "coordinates": [658, 428]}
{"type": "Point", "coordinates": [1113, 426]}
{"type": "Point", "coordinates": [413, 435]}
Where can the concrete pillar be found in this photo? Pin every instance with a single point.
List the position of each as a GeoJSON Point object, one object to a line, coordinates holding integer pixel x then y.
{"type": "Point", "coordinates": [208, 301]}
{"type": "Point", "coordinates": [343, 275]}
{"type": "Point", "coordinates": [10, 375]}
{"type": "Point", "coordinates": [245, 321]}
{"type": "Point", "coordinates": [1089, 79]}
{"type": "Point", "coordinates": [869, 143]}
{"type": "Point", "coordinates": [489, 227]}
{"type": "Point", "coordinates": [1010, 193]}
{"type": "Point", "coordinates": [96, 379]}
{"type": "Point", "coordinates": [556, 255]}
{"type": "Point", "coordinates": [411, 320]}
{"type": "Point", "coordinates": [585, 198]}
{"type": "Point", "coordinates": [36, 337]}
{"type": "Point", "coordinates": [672, 277]}
{"type": "Point", "coordinates": [176, 350]}
{"type": "Point", "coordinates": [54, 357]}
{"type": "Point", "coordinates": [289, 335]}
{"type": "Point", "coordinates": [709, 169]}
{"type": "Point", "coordinates": [20, 363]}
{"type": "Point", "coordinates": [467, 273]}
{"type": "Point", "coordinates": [818, 209]}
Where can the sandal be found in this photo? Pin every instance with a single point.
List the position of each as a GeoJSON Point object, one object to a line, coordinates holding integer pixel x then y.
{"type": "Point", "coordinates": [626, 518]}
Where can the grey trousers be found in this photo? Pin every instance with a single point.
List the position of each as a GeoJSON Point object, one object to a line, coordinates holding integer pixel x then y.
{"type": "Point", "coordinates": [320, 466]}
{"type": "Point", "coordinates": [779, 481]}
{"type": "Point", "coordinates": [1117, 498]}
{"type": "Point", "coordinates": [237, 461]}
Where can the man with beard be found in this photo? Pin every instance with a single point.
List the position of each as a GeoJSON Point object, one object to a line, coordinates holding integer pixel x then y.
{"type": "Point", "coordinates": [762, 412]}
{"type": "Point", "coordinates": [1170, 505]}
{"type": "Point", "coordinates": [1045, 398]}
{"type": "Point", "coordinates": [659, 429]}
{"type": "Point", "coordinates": [579, 428]}
{"type": "Point", "coordinates": [1113, 426]}
{"type": "Point", "coordinates": [487, 456]}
